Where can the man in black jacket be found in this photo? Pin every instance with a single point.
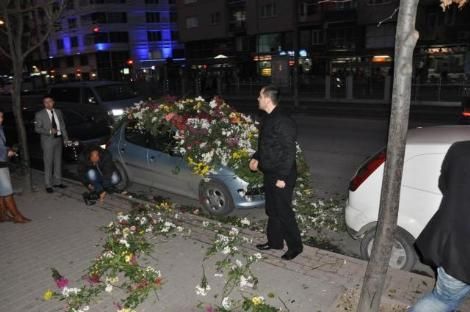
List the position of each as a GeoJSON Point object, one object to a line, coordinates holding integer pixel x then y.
{"type": "Point", "coordinates": [276, 158]}
{"type": "Point", "coordinates": [444, 242]}
{"type": "Point", "coordinates": [98, 173]}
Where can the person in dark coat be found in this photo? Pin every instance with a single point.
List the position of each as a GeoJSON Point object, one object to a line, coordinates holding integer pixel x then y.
{"type": "Point", "coordinates": [98, 173]}
{"type": "Point", "coordinates": [444, 242]}
{"type": "Point", "coordinates": [276, 158]}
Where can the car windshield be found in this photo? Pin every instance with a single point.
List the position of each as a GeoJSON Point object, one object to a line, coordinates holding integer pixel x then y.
{"type": "Point", "coordinates": [115, 92]}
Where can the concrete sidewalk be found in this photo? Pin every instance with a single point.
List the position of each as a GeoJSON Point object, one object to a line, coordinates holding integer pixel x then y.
{"type": "Point", "coordinates": [65, 234]}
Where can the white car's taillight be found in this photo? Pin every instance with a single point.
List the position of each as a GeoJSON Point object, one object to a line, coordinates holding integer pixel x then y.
{"type": "Point", "coordinates": [367, 169]}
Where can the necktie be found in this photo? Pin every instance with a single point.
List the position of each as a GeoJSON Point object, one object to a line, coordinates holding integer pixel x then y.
{"type": "Point", "coordinates": [53, 124]}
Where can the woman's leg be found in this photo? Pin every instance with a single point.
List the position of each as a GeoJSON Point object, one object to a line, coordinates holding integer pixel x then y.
{"type": "Point", "coordinates": [10, 205]}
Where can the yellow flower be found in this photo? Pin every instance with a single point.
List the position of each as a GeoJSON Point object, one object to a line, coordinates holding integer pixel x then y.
{"type": "Point", "coordinates": [126, 310]}
{"type": "Point", "coordinates": [257, 300]}
{"type": "Point", "coordinates": [48, 295]}
{"type": "Point", "coordinates": [128, 258]}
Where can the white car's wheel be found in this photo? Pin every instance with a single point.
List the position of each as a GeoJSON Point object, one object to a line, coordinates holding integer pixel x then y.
{"type": "Point", "coordinates": [403, 257]}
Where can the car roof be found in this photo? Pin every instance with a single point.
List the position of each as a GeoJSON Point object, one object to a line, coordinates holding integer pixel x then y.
{"type": "Point", "coordinates": [94, 83]}
{"type": "Point", "coordinates": [439, 135]}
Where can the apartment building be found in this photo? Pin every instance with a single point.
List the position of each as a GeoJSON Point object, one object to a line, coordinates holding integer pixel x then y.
{"type": "Point", "coordinates": [112, 39]}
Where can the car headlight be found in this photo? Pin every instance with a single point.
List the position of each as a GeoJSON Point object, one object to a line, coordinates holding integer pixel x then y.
{"type": "Point", "coordinates": [117, 112]}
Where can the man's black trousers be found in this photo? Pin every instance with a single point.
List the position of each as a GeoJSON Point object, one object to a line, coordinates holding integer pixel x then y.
{"type": "Point", "coordinates": [282, 224]}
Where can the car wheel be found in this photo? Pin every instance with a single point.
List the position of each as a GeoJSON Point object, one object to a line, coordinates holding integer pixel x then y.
{"type": "Point", "coordinates": [403, 257]}
{"type": "Point", "coordinates": [124, 179]}
{"type": "Point", "coordinates": [215, 198]}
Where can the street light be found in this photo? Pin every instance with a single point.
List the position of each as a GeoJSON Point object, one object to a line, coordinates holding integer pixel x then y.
{"type": "Point", "coordinates": [2, 22]}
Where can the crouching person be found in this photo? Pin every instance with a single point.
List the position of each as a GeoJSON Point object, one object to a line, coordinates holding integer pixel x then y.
{"type": "Point", "coordinates": [98, 174]}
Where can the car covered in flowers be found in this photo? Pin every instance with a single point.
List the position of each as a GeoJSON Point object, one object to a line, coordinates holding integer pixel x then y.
{"type": "Point", "coordinates": [192, 148]}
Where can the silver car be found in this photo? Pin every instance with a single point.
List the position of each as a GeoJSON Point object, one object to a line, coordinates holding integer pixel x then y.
{"type": "Point", "coordinates": [149, 160]}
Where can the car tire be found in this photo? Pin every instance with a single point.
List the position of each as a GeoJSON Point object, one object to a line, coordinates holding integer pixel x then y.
{"type": "Point", "coordinates": [215, 198]}
{"type": "Point", "coordinates": [124, 178]}
{"type": "Point", "coordinates": [403, 257]}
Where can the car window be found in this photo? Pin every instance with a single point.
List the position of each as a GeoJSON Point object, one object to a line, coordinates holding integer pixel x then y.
{"type": "Point", "coordinates": [163, 141]}
{"type": "Point", "coordinates": [136, 136]}
{"type": "Point", "coordinates": [88, 96]}
{"type": "Point", "coordinates": [72, 118]}
{"type": "Point", "coordinates": [66, 94]}
{"type": "Point", "coordinates": [115, 92]}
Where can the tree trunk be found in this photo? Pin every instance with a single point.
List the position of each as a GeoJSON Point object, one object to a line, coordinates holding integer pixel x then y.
{"type": "Point", "coordinates": [20, 128]}
{"type": "Point", "coordinates": [406, 37]}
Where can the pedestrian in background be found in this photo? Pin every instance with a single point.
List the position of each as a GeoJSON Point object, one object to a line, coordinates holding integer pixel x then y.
{"type": "Point", "coordinates": [49, 123]}
{"type": "Point", "coordinates": [444, 242]}
{"type": "Point", "coordinates": [8, 209]}
{"type": "Point", "coordinates": [276, 158]}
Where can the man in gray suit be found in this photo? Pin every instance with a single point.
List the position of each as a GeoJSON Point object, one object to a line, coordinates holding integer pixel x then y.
{"type": "Point", "coordinates": [49, 123]}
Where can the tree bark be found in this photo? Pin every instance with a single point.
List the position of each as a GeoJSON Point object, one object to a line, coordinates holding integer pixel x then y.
{"type": "Point", "coordinates": [20, 128]}
{"type": "Point", "coordinates": [406, 37]}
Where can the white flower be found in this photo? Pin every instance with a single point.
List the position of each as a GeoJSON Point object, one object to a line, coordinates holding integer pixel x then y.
{"type": "Point", "coordinates": [143, 221]}
{"type": "Point", "coordinates": [86, 308]}
{"type": "Point", "coordinates": [200, 291]}
{"type": "Point", "coordinates": [108, 254]}
{"type": "Point", "coordinates": [199, 98]}
{"type": "Point", "coordinates": [122, 217]}
{"type": "Point", "coordinates": [218, 275]}
{"type": "Point", "coordinates": [245, 221]}
{"type": "Point", "coordinates": [109, 288]}
{"type": "Point", "coordinates": [226, 250]}
{"type": "Point", "coordinates": [234, 231]}
{"type": "Point", "coordinates": [66, 292]}
{"type": "Point", "coordinates": [110, 224]}
{"type": "Point", "coordinates": [246, 282]}
{"type": "Point", "coordinates": [238, 263]}
{"type": "Point", "coordinates": [124, 242]}
{"type": "Point", "coordinates": [258, 256]}
{"type": "Point", "coordinates": [205, 223]}
{"type": "Point", "coordinates": [180, 229]}
{"type": "Point", "coordinates": [212, 104]}
{"type": "Point", "coordinates": [149, 229]}
{"type": "Point", "coordinates": [226, 303]}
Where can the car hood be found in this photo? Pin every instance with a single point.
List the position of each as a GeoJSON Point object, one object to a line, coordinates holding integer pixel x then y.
{"type": "Point", "coordinates": [122, 103]}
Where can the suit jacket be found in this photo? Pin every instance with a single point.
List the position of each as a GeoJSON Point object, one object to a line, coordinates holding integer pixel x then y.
{"type": "Point", "coordinates": [445, 239]}
{"type": "Point", "coordinates": [43, 124]}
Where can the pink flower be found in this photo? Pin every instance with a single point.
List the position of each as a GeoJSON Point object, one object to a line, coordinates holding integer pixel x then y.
{"type": "Point", "coordinates": [170, 116]}
{"type": "Point", "coordinates": [62, 282]}
{"type": "Point", "coordinates": [209, 309]}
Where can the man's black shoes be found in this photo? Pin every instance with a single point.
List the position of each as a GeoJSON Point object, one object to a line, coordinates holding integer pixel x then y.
{"type": "Point", "coordinates": [266, 246]}
{"type": "Point", "coordinates": [62, 186]}
{"type": "Point", "coordinates": [49, 190]}
{"type": "Point", "coordinates": [291, 254]}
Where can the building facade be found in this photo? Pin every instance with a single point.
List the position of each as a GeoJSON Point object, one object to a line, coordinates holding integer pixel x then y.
{"type": "Point", "coordinates": [112, 39]}
{"type": "Point", "coordinates": [334, 38]}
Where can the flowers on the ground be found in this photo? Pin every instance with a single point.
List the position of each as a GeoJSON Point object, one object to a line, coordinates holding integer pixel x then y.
{"type": "Point", "coordinates": [48, 294]}
{"type": "Point", "coordinates": [118, 264]}
{"type": "Point", "coordinates": [257, 300]}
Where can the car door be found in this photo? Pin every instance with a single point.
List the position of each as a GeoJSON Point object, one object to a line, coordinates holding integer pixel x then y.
{"type": "Point", "coordinates": [170, 172]}
{"type": "Point", "coordinates": [133, 150]}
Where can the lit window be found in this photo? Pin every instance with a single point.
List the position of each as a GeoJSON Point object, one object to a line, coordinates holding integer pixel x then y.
{"type": "Point", "coordinates": [192, 22]}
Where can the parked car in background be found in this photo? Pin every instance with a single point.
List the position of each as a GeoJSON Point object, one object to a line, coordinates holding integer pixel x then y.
{"type": "Point", "coordinates": [83, 128]}
{"type": "Point", "coordinates": [149, 160]}
{"type": "Point", "coordinates": [420, 196]}
{"type": "Point", "coordinates": [465, 104]}
{"type": "Point", "coordinates": [111, 97]}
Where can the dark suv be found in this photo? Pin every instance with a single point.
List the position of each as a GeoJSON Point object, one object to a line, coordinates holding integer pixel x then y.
{"type": "Point", "coordinates": [111, 97]}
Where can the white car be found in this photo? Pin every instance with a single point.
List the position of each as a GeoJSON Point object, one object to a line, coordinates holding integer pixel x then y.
{"type": "Point", "coordinates": [420, 196]}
